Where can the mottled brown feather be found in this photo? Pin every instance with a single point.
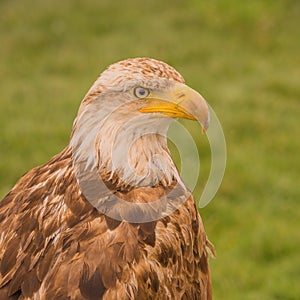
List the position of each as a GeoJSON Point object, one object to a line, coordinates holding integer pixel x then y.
{"type": "Point", "coordinates": [56, 245]}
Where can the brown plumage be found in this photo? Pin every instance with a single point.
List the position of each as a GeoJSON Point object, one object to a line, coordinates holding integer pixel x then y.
{"type": "Point", "coordinates": [57, 243]}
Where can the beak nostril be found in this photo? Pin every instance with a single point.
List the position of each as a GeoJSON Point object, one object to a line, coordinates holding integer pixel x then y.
{"type": "Point", "coordinates": [181, 95]}
{"type": "Point", "coordinates": [180, 98]}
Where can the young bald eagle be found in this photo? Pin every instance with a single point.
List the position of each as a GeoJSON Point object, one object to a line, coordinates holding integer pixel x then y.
{"type": "Point", "coordinates": [109, 217]}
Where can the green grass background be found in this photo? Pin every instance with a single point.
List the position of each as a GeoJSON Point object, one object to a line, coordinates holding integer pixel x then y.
{"type": "Point", "coordinates": [243, 56]}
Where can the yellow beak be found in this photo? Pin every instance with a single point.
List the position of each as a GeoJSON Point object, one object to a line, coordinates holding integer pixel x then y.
{"type": "Point", "coordinates": [179, 102]}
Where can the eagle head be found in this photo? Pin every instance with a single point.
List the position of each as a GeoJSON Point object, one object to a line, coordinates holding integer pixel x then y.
{"type": "Point", "coordinates": [121, 126]}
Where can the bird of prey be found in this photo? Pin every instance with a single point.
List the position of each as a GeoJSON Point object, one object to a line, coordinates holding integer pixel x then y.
{"type": "Point", "coordinates": [109, 217]}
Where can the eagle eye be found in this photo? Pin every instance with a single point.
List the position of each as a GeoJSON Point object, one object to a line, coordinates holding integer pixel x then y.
{"type": "Point", "coordinates": [141, 92]}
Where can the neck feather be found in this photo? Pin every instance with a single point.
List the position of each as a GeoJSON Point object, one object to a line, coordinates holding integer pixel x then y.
{"type": "Point", "coordinates": [131, 152]}
{"type": "Point", "coordinates": [145, 161]}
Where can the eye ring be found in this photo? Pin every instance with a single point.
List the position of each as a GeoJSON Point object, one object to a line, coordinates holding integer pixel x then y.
{"type": "Point", "coordinates": [140, 92]}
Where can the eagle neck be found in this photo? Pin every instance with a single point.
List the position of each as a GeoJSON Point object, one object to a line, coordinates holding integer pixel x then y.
{"type": "Point", "coordinates": [126, 150]}
{"type": "Point", "coordinates": [138, 162]}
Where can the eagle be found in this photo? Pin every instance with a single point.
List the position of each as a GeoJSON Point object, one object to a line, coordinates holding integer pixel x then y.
{"type": "Point", "coordinates": [109, 216]}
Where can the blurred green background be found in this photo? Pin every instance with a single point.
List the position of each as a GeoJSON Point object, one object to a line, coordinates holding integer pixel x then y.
{"type": "Point", "coordinates": [243, 56]}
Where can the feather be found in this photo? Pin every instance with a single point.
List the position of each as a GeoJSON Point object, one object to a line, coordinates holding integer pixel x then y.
{"type": "Point", "coordinates": [57, 243]}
